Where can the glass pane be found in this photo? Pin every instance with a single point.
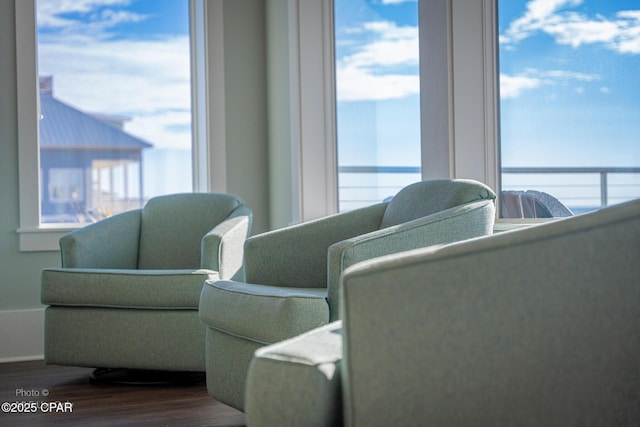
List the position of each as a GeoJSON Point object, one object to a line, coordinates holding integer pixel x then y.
{"type": "Point", "coordinates": [570, 105]}
{"type": "Point", "coordinates": [115, 125]}
{"type": "Point", "coordinates": [378, 99]}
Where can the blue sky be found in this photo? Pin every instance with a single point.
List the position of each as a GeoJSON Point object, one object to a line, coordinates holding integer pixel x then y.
{"type": "Point", "coordinates": [570, 95]}
{"type": "Point", "coordinates": [569, 91]}
{"type": "Point", "coordinates": [377, 83]}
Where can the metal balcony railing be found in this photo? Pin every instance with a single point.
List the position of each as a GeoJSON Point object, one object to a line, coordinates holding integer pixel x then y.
{"type": "Point", "coordinates": [580, 188]}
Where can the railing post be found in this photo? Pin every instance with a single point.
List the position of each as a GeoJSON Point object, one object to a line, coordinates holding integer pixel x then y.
{"type": "Point", "coordinates": [603, 189]}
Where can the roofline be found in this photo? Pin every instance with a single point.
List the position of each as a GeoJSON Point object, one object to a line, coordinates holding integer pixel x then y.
{"type": "Point", "coordinates": [92, 148]}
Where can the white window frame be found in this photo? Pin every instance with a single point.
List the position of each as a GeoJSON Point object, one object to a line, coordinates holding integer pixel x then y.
{"type": "Point", "coordinates": [313, 109]}
{"type": "Point", "coordinates": [475, 97]}
{"type": "Point", "coordinates": [209, 171]}
{"type": "Point", "coordinates": [459, 99]}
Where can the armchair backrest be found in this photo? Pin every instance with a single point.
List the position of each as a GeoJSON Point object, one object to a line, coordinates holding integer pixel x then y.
{"type": "Point", "coordinates": [428, 197]}
{"type": "Point", "coordinates": [537, 326]}
{"type": "Point", "coordinates": [422, 214]}
{"type": "Point", "coordinates": [172, 228]}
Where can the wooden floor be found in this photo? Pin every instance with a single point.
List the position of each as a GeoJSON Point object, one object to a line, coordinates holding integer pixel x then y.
{"type": "Point", "coordinates": [72, 400]}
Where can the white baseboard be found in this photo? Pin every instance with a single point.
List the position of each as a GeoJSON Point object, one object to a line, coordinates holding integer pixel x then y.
{"type": "Point", "coordinates": [21, 335]}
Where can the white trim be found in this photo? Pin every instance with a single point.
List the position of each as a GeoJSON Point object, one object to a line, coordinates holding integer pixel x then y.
{"type": "Point", "coordinates": [491, 94]}
{"type": "Point", "coordinates": [474, 90]}
{"type": "Point", "coordinates": [216, 96]}
{"type": "Point", "coordinates": [42, 238]}
{"type": "Point", "coordinates": [22, 335]}
{"type": "Point", "coordinates": [199, 95]}
{"type": "Point", "coordinates": [28, 113]}
{"type": "Point", "coordinates": [294, 108]}
{"type": "Point", "coordinates": [314, 112]}
{"type": "Point", "coordinates": [436, 89]}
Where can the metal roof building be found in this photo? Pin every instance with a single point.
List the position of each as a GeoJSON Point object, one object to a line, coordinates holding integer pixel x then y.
{"type": "Point", "coordinates": [91, 167]}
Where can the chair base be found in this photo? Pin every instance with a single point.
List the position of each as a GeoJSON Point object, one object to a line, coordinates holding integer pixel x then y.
{"type": "Point", "coordinates": [144, 377]}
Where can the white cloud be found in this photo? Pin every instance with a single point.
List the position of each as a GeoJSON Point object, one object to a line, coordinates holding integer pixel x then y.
{"type": "Point", "coordinates": [568, 75]}
{"type": "Point", "coordinates": [629, 39]}
{"type": "Point", "coordinates": [97, 15]}
{"type": "Point", "coordinates": [147, 80]}
{"type": "Point", "coordinates": [356, 84]}
{"type": "Point", "coordinates": [621, 33]}
{"type": "Point", "coordinates": [512, 86]}
{"type": "Point", "coordinates": [378, 68]}
{"type": "Point", "coordinates": [575, 30]}
{"type": "Point", "coordinates": [537, 14]}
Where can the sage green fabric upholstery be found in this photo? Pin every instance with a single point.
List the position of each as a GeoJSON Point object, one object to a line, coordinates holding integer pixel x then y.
{"type": "Point", "coordinates": [128, 291]}
{"type": "Point", "coordinates": [156, 289]}
{"type": "Point", "coordinates": [243, 317]}
{"type": "Point", "coordinates": [471, 219]}
{"type": "Point", "coordinates": [171, 340]}
{"type": "Point", "coordinates": [200, 214]}
{"type": "Point", "coordinates": [537, 327]}
{"type": "Point", "coordinates": [533, 327]}
{"type": "Point", "coordinates": [310, 257]}
{"type": "Point", "coordinates": [178, 231]}
{"type": "Point", "coordinates": [306, 370]}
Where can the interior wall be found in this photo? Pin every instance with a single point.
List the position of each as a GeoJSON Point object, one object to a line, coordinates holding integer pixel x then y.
{"type": "Point", "coordinates": [247, 143]}
{"type": "Point", "coordinates": [19, 271]}
{"type": "Point", "coordinates": [281, 162]}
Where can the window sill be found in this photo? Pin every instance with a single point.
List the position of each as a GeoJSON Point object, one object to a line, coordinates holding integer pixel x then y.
{"type": "Point", "coordinates": [43, 238]}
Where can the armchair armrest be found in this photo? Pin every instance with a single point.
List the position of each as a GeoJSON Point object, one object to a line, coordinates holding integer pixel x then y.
{"type": "Point", "coordinates": [462, 222]}
{"type": "Point", "coordinates": [297, 255]}
{"type": "Point", "coordinates": [110, 243]}
{"type": "Point", "coordinates": [297, 382]}
{"type": "Point", "coordinates": [223, 247]}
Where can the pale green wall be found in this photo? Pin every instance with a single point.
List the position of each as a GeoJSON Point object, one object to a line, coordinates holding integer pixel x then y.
{"type": "Point", "coordinates": [279, 114]}
{"type": "Point", "coordinates": [246, 106]}
{"type": "Point", "coordinates": [19, 272]}
{"type": "Point", "coordinates": [247, 130]}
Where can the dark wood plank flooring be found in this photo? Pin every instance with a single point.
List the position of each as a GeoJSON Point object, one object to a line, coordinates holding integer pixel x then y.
{"type": "Point", "coordinates": [105, 404]}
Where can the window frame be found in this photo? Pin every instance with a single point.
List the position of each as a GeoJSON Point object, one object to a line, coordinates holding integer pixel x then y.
{"type": "Point", "coordinates": [207, 157]}
{"type": "Point", "coordinates": [459, 103]}
{"type": "Point", "coordinates": [313, 109]}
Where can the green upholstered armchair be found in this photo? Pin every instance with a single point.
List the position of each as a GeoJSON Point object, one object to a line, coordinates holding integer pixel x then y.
{"type": "Point", "coordinates": [128, 290]}
{"type": "Point", "coordinates": [539, 327]}
{"type": "Point", "coordinates": [292, 274]}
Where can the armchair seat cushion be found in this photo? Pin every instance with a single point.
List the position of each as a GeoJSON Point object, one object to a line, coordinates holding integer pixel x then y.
{"type": "Point", "coordinates": [259, 313]}
{"type": "Point", "coordinates": [144, 289]}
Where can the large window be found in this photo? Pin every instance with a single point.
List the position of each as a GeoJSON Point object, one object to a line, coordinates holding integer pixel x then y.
{"type": "Point", "coordinates": [561, 74]}
{"type": "Point", "coordinates": [112, 108]}
{"type": "Point", "coordinates": [569, 104]}
{"type": "Point", "coordinates": [115, 107]}
{"type": "Point", "coordinates": [377, 99]}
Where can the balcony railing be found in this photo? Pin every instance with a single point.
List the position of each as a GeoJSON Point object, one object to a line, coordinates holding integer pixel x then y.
{"type": "Point", "coordinates": [365, 185]}
{"type": "Point", "coordinates": [580, 188]}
